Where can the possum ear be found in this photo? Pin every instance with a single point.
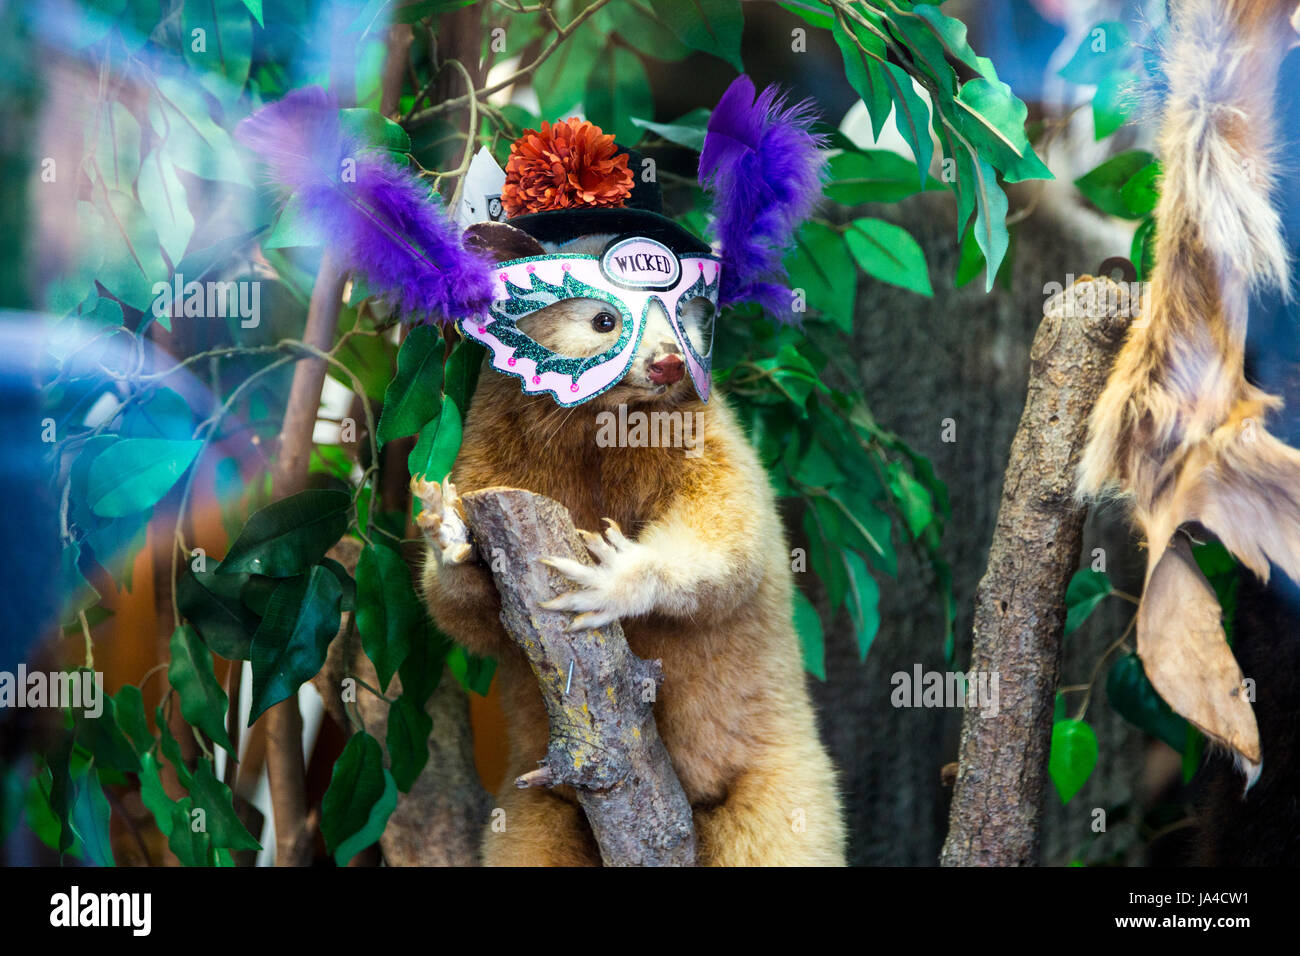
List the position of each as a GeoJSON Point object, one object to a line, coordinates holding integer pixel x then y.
{"type": "Point", "coordinates": [501, 241]}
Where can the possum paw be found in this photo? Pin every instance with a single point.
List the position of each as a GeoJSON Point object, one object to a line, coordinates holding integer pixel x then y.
{"type": "Point", "coordinates": [441, 520]}
{"type": "Point", "coordinates": [618, 585]}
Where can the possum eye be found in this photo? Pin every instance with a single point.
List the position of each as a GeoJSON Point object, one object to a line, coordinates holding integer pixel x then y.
{"type": "Point", "coordinates": [604, 322]}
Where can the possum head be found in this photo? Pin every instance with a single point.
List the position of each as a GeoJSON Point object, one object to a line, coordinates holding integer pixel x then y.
{"type": "Point", "coordinates": [582, 327]}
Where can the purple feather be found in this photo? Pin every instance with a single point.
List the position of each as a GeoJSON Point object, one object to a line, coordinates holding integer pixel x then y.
{"type": "Point", "coordinates": [763, 168]}
{"type": "Point", "coordinates": [386, 225]}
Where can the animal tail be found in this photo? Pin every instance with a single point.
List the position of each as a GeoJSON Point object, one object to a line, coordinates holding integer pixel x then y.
{"type": "Point", "coordinates": [1178, 430]}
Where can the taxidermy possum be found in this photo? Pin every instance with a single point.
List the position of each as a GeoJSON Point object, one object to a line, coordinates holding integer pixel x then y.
{"type": "Point", "coordinates": [690, 557]}
{"type": "Point", "coordinates": [1179, 432]}
{"type": "Point", "coordinates": [590, 300]}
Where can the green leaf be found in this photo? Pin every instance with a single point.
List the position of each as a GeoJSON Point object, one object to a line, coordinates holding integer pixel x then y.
{"type": "Point", "coordinates": [1131, 694]}
{"type": "Point", "coordinates": [211, 602]}
{"type": "Point", "coordinates": [913, 499]}
{"type": "Point", "coordinates": [618, 89]}
{"type": "Point", "coordinates": [134, 474]}
{"type": "Point", "coordinates": [133, 259]}
{"type": "Point", "coordinates": [408, 740]}
{"type": "Point", "coordinates": [1104, 50]}
{"type": "Point", "coordinates": [808, 625]}
{"type": "Point", "coordinates": [376, 129]}
{"type": "Point", "coordinates": [686, 131]}
{"type": "Point", "coordinates": [865, 74]}
{"type": "Point", "coordinates": [460, 374]}
{"type": "Point", "coordinates": [971, 261]}
{"type": "Point", "coordinates": [912, 117]}
{"type": "Point", "coordinates": [104, 739]}
{"type": "Point", "coordinates": [710, 26]}
{"type": "Point", "coordinates": [952, 33]}
{"type": "Point", "coordinates": [289, 647]}
{"type": "Point", "coordinates": [165, 415]}
{"type": "Point", "coordinates": [1103, 186]}
{"type": "Point", "coordinates": [129, 708]}
{"type": "Point", "coordinates": [421, 672]}
{"type": "Point", "coordinates": [1141, 193]}
{"type": "Point", "coordinates": [412, 397]}
{"type": "Point", "coordinates": [255, 8]}
{"type": "Point", "coordinates": [1073, 757]}
{"type": "Point", "coordinates": [190, 672]}
{"type": "Point", "coordinates": [822, 266]}
{"type": "Point", "coordinates": [1143, 251]}
{"type": "Point", "coordinates": [90, 815]}
{"type": "Point", "coordinates": [1193, 753]}
{"type": "Point", "coordinates": [439, 443]}
{"type": "Point", "coordinates": [978, 191]}
{"type": "Point", "coordinates": [560, 80]}
{"type": "Point", "coordinates": [153, 795]}
{"type": "Point", "coordinates": [192, 847]}
{"type": "Point", "coordinates": [214, 798]}
{"type": "Point", "coordinates": [179, 115]}
{"type": "Point", "coordinates": [472, 672]}
{"type": "Point", "coordinates": [115, 138]}
{"type": "Point", "coordinates": [76, 593]}
{"type": "Point", "coordinates": [1113, 102]}
{"type": "Point", "coordinates": [290, 535]}
{"type": "Point", "coordinates": [294, 228]}
{"type": "Point", "coordinates": [864, 601]}
{"type": "Point", "coordinates": [388, 610]}
{"type": "Point", "coordinates": [889, 253]}
{"type": "Point", "coordinates": [638, 25]}
{"type": "Point", "coordinates": [217, 41]}
{"type": "Point", "coordinates": [873, 175]}
{"type": "Point", "coordinates": [360, 798]}
{"type": "Point", "coordinates": [1087, 589]}
{"type": "Point", "coordinates": [171, 749]}
{"type": "Point", "coordinates": [163, 197]}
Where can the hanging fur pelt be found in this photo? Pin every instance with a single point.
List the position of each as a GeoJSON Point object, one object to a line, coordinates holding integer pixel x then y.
{"type": "Point", "coordinates": [1178, 431]}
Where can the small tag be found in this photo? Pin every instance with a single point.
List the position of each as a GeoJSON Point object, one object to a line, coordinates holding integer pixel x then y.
{"type": "Point", "coordinates": [480, 199]}
{"type": "Point", "coordinates": [640, 263]}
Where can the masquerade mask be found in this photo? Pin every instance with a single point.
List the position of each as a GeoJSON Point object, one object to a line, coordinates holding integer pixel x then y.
{"type": "Point", "coordinates": [631, 274]}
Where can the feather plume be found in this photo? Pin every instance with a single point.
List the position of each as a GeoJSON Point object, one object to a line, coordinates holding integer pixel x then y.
{"type": "Point", "coordinates": [383, 222]}
{"type": "Point", "coordinates": [763, 168]}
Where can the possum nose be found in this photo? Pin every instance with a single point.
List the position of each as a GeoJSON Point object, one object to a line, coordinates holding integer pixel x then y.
{"type": "Point", "coordinates": [667, 370]}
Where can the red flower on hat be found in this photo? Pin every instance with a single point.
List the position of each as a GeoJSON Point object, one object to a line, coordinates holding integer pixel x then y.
{"type": "Point", "coordinates": [566, 165]}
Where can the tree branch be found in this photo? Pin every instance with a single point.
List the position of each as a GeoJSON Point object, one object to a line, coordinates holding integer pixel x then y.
{"type": "Point", "coordinates": [599, 695]}
{"type": "Point", "coordinates": [1019, 606]}
{"type": "Point", "coordinates": [285, 766]}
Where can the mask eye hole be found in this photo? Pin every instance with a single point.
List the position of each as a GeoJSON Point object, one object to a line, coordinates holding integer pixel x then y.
{"type": "Point", "coordinates": [604, 322]}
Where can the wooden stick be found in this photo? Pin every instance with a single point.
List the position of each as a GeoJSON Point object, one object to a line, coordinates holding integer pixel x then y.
{"type": "Point", "coordinates": [285, 766]}
{"type": "Point", "coordinates": [599, 695]}
{"type": "Point", "coordinates": [1019, 606]}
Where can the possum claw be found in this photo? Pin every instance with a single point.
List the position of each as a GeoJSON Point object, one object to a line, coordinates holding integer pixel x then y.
{"type": "Point", "coordinates": [618, 585]}
{"type": "Point", "coordinates": [442, 521]}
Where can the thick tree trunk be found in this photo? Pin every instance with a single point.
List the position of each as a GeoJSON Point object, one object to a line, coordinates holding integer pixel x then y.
{"type": "Point", "coordinates": [949, 374]}
{"type": "Point", "coordinates": [1020, 609]}
{"type": "Point", "coordinates": [598, 694]}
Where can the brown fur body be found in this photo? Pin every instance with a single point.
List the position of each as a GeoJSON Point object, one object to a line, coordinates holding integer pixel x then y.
{"type": "Point", "coordinates": [733, 711]}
